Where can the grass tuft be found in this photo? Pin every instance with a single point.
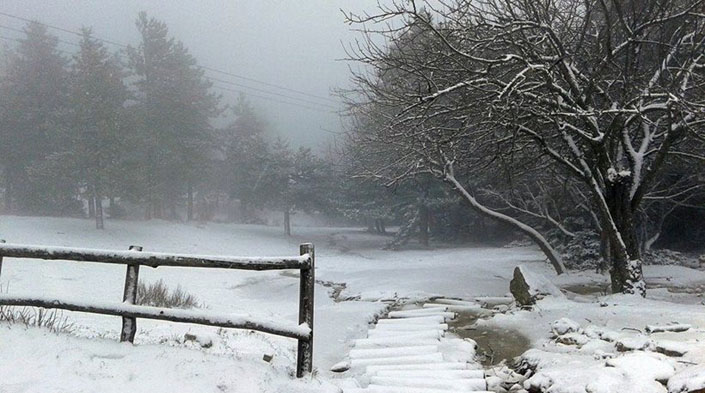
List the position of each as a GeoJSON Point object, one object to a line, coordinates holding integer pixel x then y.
{"type": "Point", "coordinates": [157, 294]}
{"type": "Point", "coordinates": [53, 320]}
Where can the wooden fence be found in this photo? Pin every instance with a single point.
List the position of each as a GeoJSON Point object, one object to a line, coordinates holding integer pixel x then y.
{"type": "Point", "coordinates": [134, 258]}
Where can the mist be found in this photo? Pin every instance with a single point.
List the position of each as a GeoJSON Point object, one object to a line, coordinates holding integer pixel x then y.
{"type": "Point", "coordinates": [295, 45]}
{"type": "Point", "coordinates": [336, 196]}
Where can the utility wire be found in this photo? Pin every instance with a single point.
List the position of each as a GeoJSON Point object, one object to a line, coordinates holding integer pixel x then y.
{"type": "Point", "coordinates": [314, 106]}
{"type": "Point", "coordinates": [23, 32]}
{"type": "Point", "coordinates": [213, 79]}
{"type": "Point", "coordinates": [214, 86]}
{"type": "Point", "coordinates": [121, 45]}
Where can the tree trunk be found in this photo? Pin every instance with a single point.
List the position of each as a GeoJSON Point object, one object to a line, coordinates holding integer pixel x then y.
{"type": "Point", "coordinates": [99, 223]}
{"type": "Point", "coordinates": [605, 253]}
{"type": "Point", "coordinates": [423, 225]}
{"type": "Point", "coordinates": [8, 193]}
{"type": "Point", "coordinates": [189, 209]}
{"type": "Point", "coordinates": [91, 205]}
{"type": "Point", "coordinates": [626, 271]}
{"type": "Point", "coordinates": [287, 221]}
{"type": "Point", "coordinates": [157, 206]}
{"type": "Point", "coordinates": [541, 241]}
{"type": "Point", "coordinates": [371, 225]}
{"type": "Point", "coordinates": [112, 206]}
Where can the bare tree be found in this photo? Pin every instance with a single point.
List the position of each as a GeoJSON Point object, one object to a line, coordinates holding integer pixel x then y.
{"type": "Point", "coordinates": [604, 91]}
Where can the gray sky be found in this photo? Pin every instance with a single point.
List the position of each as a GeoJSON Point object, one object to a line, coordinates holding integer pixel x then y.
{"type": "Point", "coordinates": [289, 43]}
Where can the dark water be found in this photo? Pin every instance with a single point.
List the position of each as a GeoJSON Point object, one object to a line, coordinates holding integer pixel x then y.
{"type": "Point", "coordinates": [494, 344]}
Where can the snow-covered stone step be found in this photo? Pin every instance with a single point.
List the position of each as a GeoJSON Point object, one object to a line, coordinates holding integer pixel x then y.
{"type": "Point", "coordinates": [372, 370]}
{"type": "Point", "coordinates": [391, 352]}
{"type": "Point", "coordinates": [431, 383]}
{"type": "Point", "coordinates": [458, 308]}
{"type": "Point", "coordinates": [436, 374]}
{"type": "Point", "coordinates": [403, 389]}
{"type": "Point", "coordinates": [431, 319]}
{"type": "Point", "coordinates": [411, 327]}
{"type": "Point", "coordinates": [454, 302]}
{"type": "Point", "coordinates": [421, 312]}
{"type": "Point", "coordinates": [405, 354]}
{"type": "Point", "coordinates": [431, 333]}
{"type": "Point", "coordinates": [374, 333]}
{"type": "Point", "coordinates": [395, 333]}
{"type": "Point", "coordinates": [394, 341]}
{"type": "Point", "coordinates": [398, 360]}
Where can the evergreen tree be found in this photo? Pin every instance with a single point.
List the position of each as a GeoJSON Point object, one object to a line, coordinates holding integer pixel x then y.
{"type": "Point", "coordinates": [32, 112]}
{"type": "Point", "coordinates": [175, 107]}
{"type": "Point", "coordinates": [97, 137]}
{"type": "Point", "coordinates": [246, 166]}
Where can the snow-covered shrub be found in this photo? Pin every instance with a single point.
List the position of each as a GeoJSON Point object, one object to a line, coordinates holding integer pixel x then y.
{"type": "Point", "coordinates": [581, 251]}
{"type": "Point", "coordinates": [158, 295]}
{"type": "Point", "coordinates": [668, 257]}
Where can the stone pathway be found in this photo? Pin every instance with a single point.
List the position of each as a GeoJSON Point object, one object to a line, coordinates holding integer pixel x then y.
{"type": "Point", "coordinates": [409, 352]}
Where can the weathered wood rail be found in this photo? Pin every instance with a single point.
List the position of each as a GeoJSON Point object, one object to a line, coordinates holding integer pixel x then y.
{"type": "Point", "coordinates": [134, 258]}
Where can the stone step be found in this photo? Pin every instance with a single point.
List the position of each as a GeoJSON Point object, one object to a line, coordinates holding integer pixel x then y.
{"type": "Point", "coordinates": [392, 352]}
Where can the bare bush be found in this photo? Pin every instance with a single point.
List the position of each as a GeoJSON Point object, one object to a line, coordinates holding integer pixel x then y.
{"type": "Point", "coordinates": [157, 294]}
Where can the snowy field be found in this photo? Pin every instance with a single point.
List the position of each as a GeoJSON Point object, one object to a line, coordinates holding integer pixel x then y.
{"type": "Point", "coordinates": [37, 361]}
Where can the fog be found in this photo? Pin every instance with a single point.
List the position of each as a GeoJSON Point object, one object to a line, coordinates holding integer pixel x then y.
{"type": "Point", "coordinates": [293, 44]}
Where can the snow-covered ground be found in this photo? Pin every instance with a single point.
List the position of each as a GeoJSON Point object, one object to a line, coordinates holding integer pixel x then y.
{"type": "Point", "coordinates": [344, 256]}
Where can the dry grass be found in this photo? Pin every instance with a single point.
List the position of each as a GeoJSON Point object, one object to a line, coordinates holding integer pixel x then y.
{"type": "Point", "coordinates": [53, 320]}
{"type": "Point", "coordinates": [158, 295]}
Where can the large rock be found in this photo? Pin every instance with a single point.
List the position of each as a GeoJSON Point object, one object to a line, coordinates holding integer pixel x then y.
{"type": "Point", "coordinates": [689, 380]}
{"type": "Point", "coordinates": [527, 287]}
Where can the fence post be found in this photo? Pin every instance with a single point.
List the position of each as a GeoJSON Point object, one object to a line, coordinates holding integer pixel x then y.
{"type": "Point", "coordinates": [304, 356]}
{"type": "Point", "coordinates": [1, 241]}
{"type": "Point", "coordinates": [129, 324]}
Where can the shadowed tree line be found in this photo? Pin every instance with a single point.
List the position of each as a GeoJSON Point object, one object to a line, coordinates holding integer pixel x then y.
{"type": "Point", "coordinates": [552, 117]}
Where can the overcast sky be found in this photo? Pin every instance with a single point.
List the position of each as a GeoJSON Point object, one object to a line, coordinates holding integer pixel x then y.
{"type": "Point", "coordinates": [290, 43]}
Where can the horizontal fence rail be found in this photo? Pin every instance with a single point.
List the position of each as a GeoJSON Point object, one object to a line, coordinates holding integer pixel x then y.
{"type": "Point", "coordinates": [134, 258]}
{"type": "Point", "coordinates": [236, 321]}
{"type": "Point", "coordinates": [153, 259]}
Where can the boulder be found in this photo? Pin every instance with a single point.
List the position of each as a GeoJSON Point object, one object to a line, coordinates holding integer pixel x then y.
{"type": "Point", "coordinates": [688, 380]}
{"type": "Point", "coordinates": [528, 287]}
{"type": "Point", "coordinates": [564, 326]}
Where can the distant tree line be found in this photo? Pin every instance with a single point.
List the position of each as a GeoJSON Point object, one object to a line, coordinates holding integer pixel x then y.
{"type": "Point", "coordinates": [95, 133]}
{"type": "Point", "coordinates": [95, 128]}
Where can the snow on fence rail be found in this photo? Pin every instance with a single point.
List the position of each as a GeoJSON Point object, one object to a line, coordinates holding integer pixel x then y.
{"type": "Point", "coordinates": [134, 258]}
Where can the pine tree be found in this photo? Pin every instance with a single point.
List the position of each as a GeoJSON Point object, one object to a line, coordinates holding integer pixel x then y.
{"type": "Point", "coordinates": [32, 112]}
{"type": "Point", "coordinates": [97, 139]}
{"type": "Point", "coordinates": [175, 107]}
{"type": "Point", "coordinates": [245, 166]}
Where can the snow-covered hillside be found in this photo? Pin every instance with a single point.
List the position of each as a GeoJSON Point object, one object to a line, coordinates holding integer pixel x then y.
{"type": "Point", "coordinates": [343, 256]}
{"type": "Point", "coordinates": [350, 265]}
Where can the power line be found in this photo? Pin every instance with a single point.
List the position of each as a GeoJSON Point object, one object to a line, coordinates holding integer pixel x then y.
{"type": "Point", "coordinates": [23, 32]}
{"type": "Point", "coordinates": [268, 84]}
{"type": "Point", "coordinates": [212, 79]}
{"type": "Point", "coordinates": [121, 45]}
{"type": "Point", "coordinates": [58, 28]}
{"type": "Point", "coordinates": [318, 107]}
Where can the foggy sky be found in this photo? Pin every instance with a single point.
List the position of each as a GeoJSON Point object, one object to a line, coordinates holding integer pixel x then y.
{"type": "Point", "coordinates": [291, 43]}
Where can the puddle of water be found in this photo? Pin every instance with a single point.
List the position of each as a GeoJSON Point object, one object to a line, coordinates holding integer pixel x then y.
{"type": "Point", "coordinates": [494, 344]}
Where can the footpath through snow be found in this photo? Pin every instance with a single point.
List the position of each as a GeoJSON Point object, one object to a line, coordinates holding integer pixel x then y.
{"type": "Point", "coordinates": [410, 352]}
